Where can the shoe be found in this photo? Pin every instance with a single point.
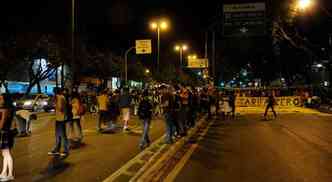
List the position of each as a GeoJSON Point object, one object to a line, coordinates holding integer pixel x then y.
{"type": "Point", "coordinates": [7, 178]}
{"type": "Point", "coordinates": [53, 153]}
{"type": "Point", "coordinates": [126, 129]}
{"type": "Point", "coordinates": [2, 176]}
{"type": "Point", "coordinates": [64, 154]}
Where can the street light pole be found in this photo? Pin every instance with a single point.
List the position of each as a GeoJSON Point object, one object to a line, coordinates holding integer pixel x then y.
{"type": "Point", "coordinates": [126, 63]}
{"type": "Point", "coordinates": [181, 55]}
{"type": "Point", "coordinates": [158, 53]}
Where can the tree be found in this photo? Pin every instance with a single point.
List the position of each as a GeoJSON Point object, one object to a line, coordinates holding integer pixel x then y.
{"type": "Point", "coordinates": [7, 59]}
{"type": "Point", "coordinates": [33, 49]}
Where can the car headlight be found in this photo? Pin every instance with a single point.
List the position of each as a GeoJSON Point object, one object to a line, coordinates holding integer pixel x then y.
{"type": "Point", "coordinates": [27, 103]}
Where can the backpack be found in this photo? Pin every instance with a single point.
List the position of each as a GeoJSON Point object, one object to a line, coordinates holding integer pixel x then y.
{"type": "Point", "coordinates": [81, 110]}
{"type": "Point", "coordinates": [144, 110]}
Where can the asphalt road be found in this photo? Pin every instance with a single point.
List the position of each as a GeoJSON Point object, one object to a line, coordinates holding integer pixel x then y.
{"type": "Point", "coordinates": [99, 157]}
{"type": "Point", "coordinates": [297, 147]}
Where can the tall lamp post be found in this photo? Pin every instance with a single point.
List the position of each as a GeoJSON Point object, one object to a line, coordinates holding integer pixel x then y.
{"type": "Point", "coordinates": [158, 26]}
{"type": "Point", "coordinates": [181, 49]}
{"type": "Point", "coordinates": [303, 5]}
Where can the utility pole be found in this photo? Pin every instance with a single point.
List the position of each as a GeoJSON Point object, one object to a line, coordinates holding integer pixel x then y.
{"type": "Point", "coordinates": [213, 57]}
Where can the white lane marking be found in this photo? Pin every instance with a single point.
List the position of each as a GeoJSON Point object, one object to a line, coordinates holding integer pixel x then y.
{"type": "Point", "coordinates": [179, 166]}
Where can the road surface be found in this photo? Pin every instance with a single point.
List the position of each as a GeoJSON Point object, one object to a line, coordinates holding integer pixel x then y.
{"type": "Point", "coordinates": [101, 155]}
{"type": "Point", "coordinates": [295, 147]}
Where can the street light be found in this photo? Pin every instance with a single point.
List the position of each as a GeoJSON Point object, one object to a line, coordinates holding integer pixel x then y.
{"type": "Point", "coordinates": [158, 26]}
{"type": "Point", "coordinates": [180, 49]}
{"type": "Point", "coordinates": [304, 4]}
{"type": "Point", "coordinates": [193, 56]}
{"type": "Point", "coordinates": [147, 71]}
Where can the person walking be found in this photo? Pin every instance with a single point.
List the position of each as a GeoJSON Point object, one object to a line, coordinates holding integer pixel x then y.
{"type": "Point", "coordinates": [103, 104]}
{"type": "Point", "coordinates": [145, 114]}
{"type": "Point", "coordinates": [232, 100]}
{"type": "Point", "coordinates": [78, 111]}
{"type": "Point", "coordinates": [271, 102]}
{"type": "Point", "coordinates": [61, 115]}
{"type": "Point", "coordinates": [7, 112]}
{"type": "Point", "coordinates": [124, 104]}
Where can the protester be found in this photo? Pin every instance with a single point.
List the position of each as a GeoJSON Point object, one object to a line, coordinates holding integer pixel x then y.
{"type": "Point", "coordinates": [124, 104]}
{"type": "Point", "coordinates": [78, 111]}
{"type": "Point", "coordinates": [103, 104]}
{"type": "Point", "coordinates": [270, 104]}
{"type": "Point", "coordinates": [232, 100]}
{"type": "Point", "coordinates": [7, 112]}
{"type": "Point", "coordinates": [113, 110]}
{"type": "Point", "coordinates": [145, 114]}
{"type": "Point", "coordinates": [167, 103]}
{"type": "Point", "coordinates": [61, 115]}
{"type": "Point", "coordinates": [183, 114]}
{"type": "Point", "coordinates": [24, 118]}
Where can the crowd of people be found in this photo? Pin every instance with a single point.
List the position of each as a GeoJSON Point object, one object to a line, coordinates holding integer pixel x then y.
{"type": "Point", "coordinates": [179, 106]}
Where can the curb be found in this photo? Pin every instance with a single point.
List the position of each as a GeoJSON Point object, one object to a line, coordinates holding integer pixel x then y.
{"type": "Point", "coordinates": [154, 169]}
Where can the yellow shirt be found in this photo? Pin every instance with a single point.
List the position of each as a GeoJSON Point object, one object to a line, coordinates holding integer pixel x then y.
{"type": "Point", "coordinates": [103, 102]}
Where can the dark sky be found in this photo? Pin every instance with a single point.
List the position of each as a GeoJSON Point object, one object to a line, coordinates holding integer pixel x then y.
{"type": "Point", "coordinates": [112, 22]}
{"type": "Point", "coordinates": [117, 23]}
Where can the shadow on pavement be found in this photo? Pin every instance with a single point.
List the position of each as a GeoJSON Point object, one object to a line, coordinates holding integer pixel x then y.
{"type": "Point", "coordinates": [56, 165]}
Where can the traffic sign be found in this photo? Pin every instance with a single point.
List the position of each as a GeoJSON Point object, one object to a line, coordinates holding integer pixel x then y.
{"type": "Point", "coordinates": [198, 63]}
{"type": "Point", "coordinates": [247, 19]}
{"type": "Point", "coordinates": [143, 47]}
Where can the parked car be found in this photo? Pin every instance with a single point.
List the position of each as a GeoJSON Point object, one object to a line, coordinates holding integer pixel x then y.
{"type": "Point", "coordinates": [35, 102]}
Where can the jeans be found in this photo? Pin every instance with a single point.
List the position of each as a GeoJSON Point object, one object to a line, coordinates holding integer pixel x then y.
{"type": "Point", "coordinates": [170, 128]}
{"type": "Point", "coordinates": [103, 116]}
{"type": "Point", "coordinates": [60, 134]}
{"type": "Point", "coordinates": [145, 137]}
{"type": "Point", "coordinates": [76, 122]}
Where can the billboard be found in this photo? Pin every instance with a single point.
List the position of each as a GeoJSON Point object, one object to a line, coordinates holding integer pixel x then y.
{"type": "Point", "coordinates": [246, 19]}
{"type": "Point", "coordinates": [198, 63]}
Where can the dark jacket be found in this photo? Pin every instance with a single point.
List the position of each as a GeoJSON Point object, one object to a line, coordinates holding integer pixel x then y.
{"type": "Point", "coordinates": [124, 101]}
{"type": "Point", "coordinates": [145, 109]}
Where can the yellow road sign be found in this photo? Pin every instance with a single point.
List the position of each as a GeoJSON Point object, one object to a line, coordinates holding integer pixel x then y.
{"type": "Point", "coordinates": [143, 47]}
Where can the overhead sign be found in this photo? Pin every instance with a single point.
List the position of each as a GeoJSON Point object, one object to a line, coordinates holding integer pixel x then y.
{"type": "Point", "coordinates": [244, 19]}
{"type": "Point", "coordinates": [198, 63]}
{"type": "Point", "coordinates": [143, 47]}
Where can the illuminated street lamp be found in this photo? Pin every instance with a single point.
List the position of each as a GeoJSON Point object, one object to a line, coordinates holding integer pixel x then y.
{"type": "Point", "coordinates": [304, 4]}
{"type": "Point", "coordinates": [180, 49]}
{"type": "Point", "coordinates": [158, 26]}
{"type": "Point", "coordinates": [147, 71]}
{"type": "Point", "coordinates": [193, 56]}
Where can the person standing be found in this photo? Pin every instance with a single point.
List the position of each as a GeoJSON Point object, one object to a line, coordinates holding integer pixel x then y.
{"type": "Point", "coordinates": [271, 102]}
{"type": "Point", "coordinates": [145, 114]}
{"type": "Point", "coordinates": [78, 111]}
{"type": "Point", "coordinates": [183, 120]}
{"type": "Point", "coordinates": [114, 111]}
{"type": "Point", "coordinates": [124, 104]}
{"type": "Point", "coordinates": [167, 103]}
{"type": "Point", "coordinates": [61, 115]}
{"type": "Point", "coordinates": [103, 103]}
{"type": "Point", "coordinates": [7, 112]}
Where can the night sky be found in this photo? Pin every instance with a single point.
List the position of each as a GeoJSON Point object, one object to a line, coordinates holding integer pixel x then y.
{"type": "Point", "coordinates": [116, 24]}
